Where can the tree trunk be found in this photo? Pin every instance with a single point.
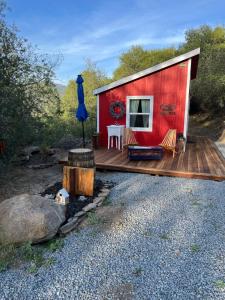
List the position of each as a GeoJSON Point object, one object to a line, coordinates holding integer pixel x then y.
{"type": "Point", "coordinates": [83, 158]}
{"type": "Point", "coordinates": [78, 181]}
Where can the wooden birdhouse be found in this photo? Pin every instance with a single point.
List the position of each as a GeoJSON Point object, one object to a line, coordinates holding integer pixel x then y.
{"type": "Point", "coordinates": [62, 197]}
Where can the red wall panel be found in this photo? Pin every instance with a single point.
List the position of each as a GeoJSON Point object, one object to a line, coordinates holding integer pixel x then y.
{"type": "Point", "coordinates": [167, 86]}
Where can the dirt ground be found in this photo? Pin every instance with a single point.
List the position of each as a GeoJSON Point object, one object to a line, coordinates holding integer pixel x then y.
{"type": "Point", "coordinates": [21, 179]}
{"type": "Point", "coordinates": [202, 125]}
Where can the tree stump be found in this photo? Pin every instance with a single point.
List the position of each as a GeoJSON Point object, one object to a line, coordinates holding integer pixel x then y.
{"type": "Point", "coordinates": [83, 158]}
{"type": "Point", "coordinates": [79, 181]}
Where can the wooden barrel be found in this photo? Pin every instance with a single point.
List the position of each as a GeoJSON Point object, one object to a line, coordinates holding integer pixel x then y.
{"type": "Point", "coordinates": [82, 157]}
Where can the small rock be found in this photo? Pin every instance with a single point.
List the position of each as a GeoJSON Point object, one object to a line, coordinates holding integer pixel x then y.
{"type": "Point", "coordinates": [41, 166]}
{"type": "Point", "coordinates": [103, 194]}
{"type": "Point", "coordinates": [69, 226]}
{"type": "Point", "coordinates": [49, 196]}
{"type": "Point", "coordinates": [98, 200]}
{"type": "Point", "coordinates": [105, 190]}
{"type": "Point", "coordinates": [177, 252]}
{"type": "Point", "coordinates": [51, 151]}
{"type": "Point", "coordinates": [89, 207]}
{"type": "Point", "coordinates": [79, 213]}
{"type": "Point", "coordinates": [82, 198]}
{"type": "Point", "coordinates": [30, 150]}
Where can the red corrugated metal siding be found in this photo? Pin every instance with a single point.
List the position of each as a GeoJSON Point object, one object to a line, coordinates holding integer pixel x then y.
{"type": "Point", "coordinates": [167, 86]}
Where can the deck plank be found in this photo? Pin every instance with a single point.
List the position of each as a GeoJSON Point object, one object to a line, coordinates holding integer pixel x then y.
{"type": "Point", "coordinates": [201, 160]}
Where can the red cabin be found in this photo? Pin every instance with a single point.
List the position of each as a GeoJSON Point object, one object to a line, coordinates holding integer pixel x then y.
{"type": "Point", "coordinates": [150, 102]}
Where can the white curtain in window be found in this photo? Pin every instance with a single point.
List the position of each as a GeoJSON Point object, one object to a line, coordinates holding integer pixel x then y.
{"type": "Point", "coordinates": [134, 105]}
{"type": "Point", "coordinates": [145, 107]}
{"type": "Point", "coordinates": [134, 108]}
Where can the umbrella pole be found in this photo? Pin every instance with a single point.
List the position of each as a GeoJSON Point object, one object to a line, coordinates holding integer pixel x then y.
{"type": "Point", "coordinates": [83, 134]}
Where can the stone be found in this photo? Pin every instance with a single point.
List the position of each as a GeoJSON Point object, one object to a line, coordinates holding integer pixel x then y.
{"type": "Point", "coordinates": [103, 194]}
{"type": "Point", "coordinates": [29, 218]}
{"type": "Point", "coordinates": [89, 207]}
{"type": "Point", "coordinates": [30, 150]}
{"type": "Point", "coordinates": [82, 198]}
{"type": "Point", "coordinates": [98, 200]}
{"type": "Point", "coordinates": [41, 166]}
{"type": "Point", "coordinates": [79, 214]}
{"type": "Point", "coordinates": [49, 196]}
{"type": "Point", "coordinates": [100, 203]}
{"type": "Point", "coordinates": [69, 226]}
{"type": "Point", "coordinates": [105, 190]}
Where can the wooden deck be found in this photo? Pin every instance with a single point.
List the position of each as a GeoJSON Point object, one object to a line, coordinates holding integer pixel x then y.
{"type": "Point", "coordinates": [202, 160]}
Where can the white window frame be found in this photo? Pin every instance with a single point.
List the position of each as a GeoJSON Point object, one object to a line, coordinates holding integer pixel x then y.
{"type": "Point", "coordinates": [151, 99]}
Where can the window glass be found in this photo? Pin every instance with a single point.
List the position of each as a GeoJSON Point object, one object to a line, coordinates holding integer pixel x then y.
{"type": "Point", "coordinates": [141, 121]}
{"type": "Point", "coordinates": [139, 106]}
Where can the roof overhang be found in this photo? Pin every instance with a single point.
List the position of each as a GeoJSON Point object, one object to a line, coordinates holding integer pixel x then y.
{"type": "Point", "coordinates": [194, 54]}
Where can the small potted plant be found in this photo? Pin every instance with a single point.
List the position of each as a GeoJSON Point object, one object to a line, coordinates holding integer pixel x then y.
{"type": "Point", "coordinates": [180, 142]}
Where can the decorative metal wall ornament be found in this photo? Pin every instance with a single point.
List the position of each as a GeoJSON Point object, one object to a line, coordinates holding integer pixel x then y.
{"type": "Point", "coordinates": [117, 109]}
{"type": "Point", "coordinates": [168, 109]}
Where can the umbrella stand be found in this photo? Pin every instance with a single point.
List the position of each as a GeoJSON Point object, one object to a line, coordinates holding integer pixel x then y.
{"type": "Point", "coordinates": [83, 134]}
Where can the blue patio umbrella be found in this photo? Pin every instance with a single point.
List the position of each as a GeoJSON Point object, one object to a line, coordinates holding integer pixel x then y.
{"type": "Point", "coordinates": [81, 113]}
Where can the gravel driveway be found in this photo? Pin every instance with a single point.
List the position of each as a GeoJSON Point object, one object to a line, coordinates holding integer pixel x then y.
{"type": "Point", "coordinates": [169, 243]}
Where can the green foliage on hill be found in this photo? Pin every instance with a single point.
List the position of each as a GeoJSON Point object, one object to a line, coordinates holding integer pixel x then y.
{"type": "Point", "coordinates": [208, 89]}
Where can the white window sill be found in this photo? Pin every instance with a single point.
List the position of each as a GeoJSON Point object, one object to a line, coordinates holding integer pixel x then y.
{"type": "Point", "coordinates": [141, 129]}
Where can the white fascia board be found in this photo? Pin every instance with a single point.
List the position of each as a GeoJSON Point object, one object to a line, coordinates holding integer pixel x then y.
{"type": "Point", "coordinates": [148, 71]}
{"type": "Point", "coordinates": [97, 109]}
{"type": "Point", "coordinates": [187, 100]}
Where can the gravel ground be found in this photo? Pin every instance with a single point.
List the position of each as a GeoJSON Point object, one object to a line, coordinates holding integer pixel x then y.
{"type": "Point", "coordinates": [169, 244]}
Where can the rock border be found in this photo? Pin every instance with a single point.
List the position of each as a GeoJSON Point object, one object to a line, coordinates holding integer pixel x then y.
{"type": "Point", "coordinates": [76, 220]}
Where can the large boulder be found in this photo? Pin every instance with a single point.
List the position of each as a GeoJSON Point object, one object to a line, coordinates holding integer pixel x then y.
{"type": "Point", "coordinates": [29, 218]}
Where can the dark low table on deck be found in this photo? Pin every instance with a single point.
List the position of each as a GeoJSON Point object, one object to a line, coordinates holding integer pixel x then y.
{"type": "Point", "coordinates": [145, 153]}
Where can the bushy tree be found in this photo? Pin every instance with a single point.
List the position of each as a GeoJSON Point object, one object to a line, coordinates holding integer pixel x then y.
{"type": "Point", "coordinates": [208, 88]}
{"type": "Point", "coordinates": [27, 93]}
{"type": "Point", "coordinates": [69, 100]}
{"type": "Point", "coordinates": [137, 59]}
{"type": "Point", "coordinates": [93, 78]}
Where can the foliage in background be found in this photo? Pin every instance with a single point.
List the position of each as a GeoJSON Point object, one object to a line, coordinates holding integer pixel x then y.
{"type": "Point", "coordinates": [28, 96]}
{"type": "Point", "coordinates": [93, 78]}
{"type": "Point", "coordinates": [137, 59]}
{"type": "Point", "coordinates": [208, 89]}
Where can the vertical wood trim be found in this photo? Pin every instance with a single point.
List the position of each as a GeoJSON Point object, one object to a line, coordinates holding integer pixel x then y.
{"type": "Point", "coordinates": [127, 112]}
{"type": "Point", "coordinates": [97, 109]}
{"type": "Point", "coordinates": [187, 101]}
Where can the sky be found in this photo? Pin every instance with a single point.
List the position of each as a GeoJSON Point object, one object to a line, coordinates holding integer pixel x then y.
{"type": "Point", "coordinates": [73, 31]}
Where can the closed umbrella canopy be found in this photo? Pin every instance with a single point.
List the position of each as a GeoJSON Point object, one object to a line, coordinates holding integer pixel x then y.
{"type": "Point", "coordinates": [82, 113]}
